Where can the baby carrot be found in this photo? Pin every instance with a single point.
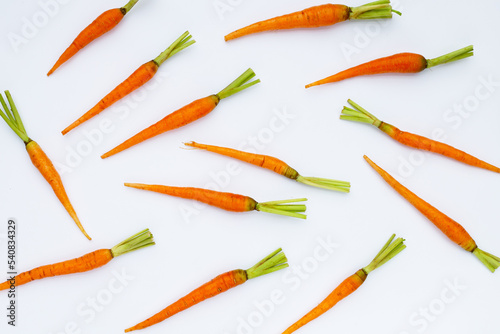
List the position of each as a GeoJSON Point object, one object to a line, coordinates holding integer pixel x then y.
{"type": "Point", "coordinates": [350, 284]}
{"type": "Point", "coordinates": [275, 165]}
{"type": "Point", "coordinates": [38, 157]}
{"type": "Point", "coordinates": [101, 25]}
{"type": "Point", "coordinates": [271, 263]}
{"type": "Point", "coordinates": [319, 16]}
{"type": "Point", "coordinates": [398, 63]}
{"type": "Point", "coordinates": [453, 230]}
{"type": "Point", "coordinates": [142, 75]}
{"type": "Point", "coordinates": [359, 114]}
{"type": "Point", "coordinates": [84, 263]}
{"type": "Point", "coordinates": [187, 114]}
{"type": "Point", "coordinates": [228, 201]}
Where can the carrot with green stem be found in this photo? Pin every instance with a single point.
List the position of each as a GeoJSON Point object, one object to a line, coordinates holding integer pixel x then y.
{"type": "Point", "coordinates": [84, 263]}
{"type": "Point", "coordinates": [398, 63]}
{"type": "Point", "coordinates": [351, 284]}
{"type": "Point", "coordinates": [38, 157]}
{"type": "Point", "coordinates": [187, 114]}
{"type": "Point", "coordinates": [275, 165]}
{"type": "Point", "coordinates": [101, 25]}
{"type": "Point", "coordinates": [271, 263]}
{"type": "Point", "coordinates": [319, 16]}
{"type": "Point", "coordinates": [228, 201]}
{"type": "Point", "coordinates": [358, 114]}
{"type": "Point", "coordinates": [137, 79]}
{"type": "Point", "coordinates": [453, 230]}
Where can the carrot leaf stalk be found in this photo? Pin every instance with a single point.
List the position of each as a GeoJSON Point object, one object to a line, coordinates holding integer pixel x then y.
{"type": "Point", "coordinates": [273, 262]}
{"type": "Point", "coordinates": [374, 10]}
{"type": "Point", "coordinates": [178, 45]}
{"type": "Point", "coordinates": [125, 9]}
{"type": "Point", "coordinates": [351, 283]}
{"type": "Point", "coordinates": [38, 157]}
{"type": "Point", "coordinates": [284, 208]}
{"type": "Point", "coordinates": [137, 241]}
{"type": "Point", "coordinates": [342, 186]}
{"type": "Point", "coordinates": [221, 283]}
{"type": "Point", "coordinates": [359, 114]}
{"type": "Point", "coordinates": [462, 53]}
{"type": "Point", "coordinates": [239, 84]}
{"type": "Point", "coordinates": [491, 261]}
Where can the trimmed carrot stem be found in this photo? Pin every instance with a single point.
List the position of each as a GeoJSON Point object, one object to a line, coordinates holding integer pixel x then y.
{"type": "Point", "coordinates": [84, 263]}
{"type": "Point", "coordinates": [275, 165]}
{"type": "Point", "coordinates": [129, 6]}
{"type": "Point", "coordinates": [374, 10]}
{"type": "Point", "coordinates": [137, 79]}
{"type": "Point", "coordinates": [228, 201]}
{"type": "Point", "coordinates": [405, 62]}
{"type": "Point", "coordinates": [350, 284]}
{"type": "Point", "coordinates": [453, 230]}
{"type": "Point", "coordinates": [38, 157]}
{"type": "Point", "coordinates": [359, 114]}
{"type": "Point", "coordinates": [271, 263]}
{"type": "Point", "coordinates": [187, 114]}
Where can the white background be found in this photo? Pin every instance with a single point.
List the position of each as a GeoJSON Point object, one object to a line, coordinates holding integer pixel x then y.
{"type": "Point", "coordinates": [192, 250]}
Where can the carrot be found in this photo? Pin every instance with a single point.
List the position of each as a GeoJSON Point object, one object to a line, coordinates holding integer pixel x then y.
{"type": "Point", "coordinates": [359, 114]}
{"type": "Point", "coordinates": [38, 157]}
{"type": "Point", "coordinates": [318, 16]}
{"type": "Point", "coordinates": [350, 284]}
{"type": "Point", "coordinates": [275, 165]}
{"type": "Point", "coordinates": [453, 230]}
{"type": "Point", "coordinates": [228, 201]}
{"type": "Point", "coordinates": [398, 63]}
{"type": "Point", "coordinates": [142, 75]}
{"type": "Point", "coordinates": [271, 263]}
{"type": "Point", "coordinates": [84, 263]}
{"type": "Point", "coordinates": [101, 25]}
{"type": "Point", "coordinates": [187, 114]}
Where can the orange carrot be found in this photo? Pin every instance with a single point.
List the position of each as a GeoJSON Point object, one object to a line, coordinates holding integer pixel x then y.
{"type": "Point", "coordinates": [84, 263]}
{"type": "Point", "coordinates": [101, 25]}
{"type": "Point", "coordinates": [359, 114]}
{"type": "Point", "coordinates": [187, 114]}
{"type": "Point", "coordinates": [350, 284]}
{"type": "Point", "coordinates": [38, 157]}
{"type": "Point", "coordinates": [318, 16]}
{"type": "Point", "coordinates": [453, 230]}
{"type": "Point", "coordinates": [398, 63]}
{"type": "Point", "coordinates": [275, 165]}
{"type": "Point", "coordinates": [142, 75]}
{"type": "Point", "coordinates": [228, 201]}
{"type": "Point", "coordinates": [273, 262]}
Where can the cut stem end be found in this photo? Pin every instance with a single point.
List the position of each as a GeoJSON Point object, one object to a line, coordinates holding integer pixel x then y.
{"type": "Point", "coordinates": [390, 250]}
{"type": "Point", "coordinates": [329, 184]}
{"type": "Point", "coordinates": [135, 242]}
{"type": "Point", "coordinates": [178, 45]}
{"type": "Point", "coordinates": [373, 10]}
{"type": "Point", "coordinates": [491, 261]}
{"type": "Point", "coordinates": [271, 263]}
{"type": "Point", "coordinates": [284, 208]}
{"type": "Point", "coordinates": [466, 52]}
{"type": "Point", "coordinates": [241, 83]}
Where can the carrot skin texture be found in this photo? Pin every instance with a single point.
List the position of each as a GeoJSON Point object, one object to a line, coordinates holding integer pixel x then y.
{"type": "Point", "coordinates": [140, 76]}
{"type": "Point", "coordinates": [264, 161]}
{"type": "Point", "coordinates": [423, 143]}
{"type": "Point", "coordinates": [344, 289]}
{"type": "Point", "coordinates": [398, 63]}
{"type": "Point", "coordinates": [101, 25]}
{"type": "Point", "coordinates": [317, 16]}
{"type": "Point", "coordinates": [42, 162]}
{"type": "Point", "coordinates": [453, 230]}
{"type": "Point", "coordinates": [181, 117]}
{"type": "Point", "coordinates": [225, 201]}
{"type": "Point", "coordinates": [210, 289]}
{"type": "Point", "coordinates": [81, 264]}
